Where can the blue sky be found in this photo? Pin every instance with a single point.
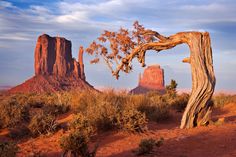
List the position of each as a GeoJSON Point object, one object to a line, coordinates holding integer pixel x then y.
{"type": "Point", "coordinates": [22, 21]}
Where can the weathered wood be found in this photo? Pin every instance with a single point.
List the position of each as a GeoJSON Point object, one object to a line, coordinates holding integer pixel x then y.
{"type": "Point", "coordinates": [198, 108]}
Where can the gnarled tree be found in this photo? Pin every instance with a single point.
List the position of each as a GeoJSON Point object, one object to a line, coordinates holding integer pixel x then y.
{"type": "Point", "coordinates": [126, 45]}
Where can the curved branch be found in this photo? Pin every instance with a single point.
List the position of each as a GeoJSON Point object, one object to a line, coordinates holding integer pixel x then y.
{"type": "Point", "coordinates": [164, 44]}
{"type": "Point", "coordinates": [155, 34]}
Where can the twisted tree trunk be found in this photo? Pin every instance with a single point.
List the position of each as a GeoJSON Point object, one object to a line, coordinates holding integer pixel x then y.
{"type": "Point", "coordinates": [198, 109]}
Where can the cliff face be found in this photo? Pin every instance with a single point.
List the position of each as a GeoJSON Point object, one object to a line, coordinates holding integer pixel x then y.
{"type": "Point", "coordinates": [55, 69]}
{"type": "Point", "coordinates": [53, 57]}
{"type": "Point", "coordinates": [151, 80]}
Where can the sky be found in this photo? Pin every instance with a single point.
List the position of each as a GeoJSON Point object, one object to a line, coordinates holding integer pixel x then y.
{"type": "Point", "coordinates": [82, 21]}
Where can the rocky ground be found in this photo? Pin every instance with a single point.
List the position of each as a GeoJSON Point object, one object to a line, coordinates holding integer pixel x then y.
{"type": "Point", "coordinates": [215, 140]}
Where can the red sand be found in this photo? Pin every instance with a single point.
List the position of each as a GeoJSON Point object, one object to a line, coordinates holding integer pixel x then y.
{"type": "Point", "coordinates": [210, 141]}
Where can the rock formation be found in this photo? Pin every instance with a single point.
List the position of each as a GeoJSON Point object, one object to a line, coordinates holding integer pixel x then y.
{"type": "Point", "coordinates": [81, 63]}
{"type": "Point", "coordinates": [151, 80]}
{"type": "Point", "coordinates": [55, 69]}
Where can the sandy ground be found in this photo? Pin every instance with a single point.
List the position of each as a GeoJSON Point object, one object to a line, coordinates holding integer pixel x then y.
{"type": "Point", "coordinates": [211, 141]}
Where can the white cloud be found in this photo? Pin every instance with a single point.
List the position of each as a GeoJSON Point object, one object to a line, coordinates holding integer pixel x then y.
{"type": "Point", "coordinates": [5, 37]}
{"type": "Point", "coordinates": [4, 4]}
{"type": "Point", "coordinates": [212, 7]}
{"type": "Point", "coordinates": [82, 21]}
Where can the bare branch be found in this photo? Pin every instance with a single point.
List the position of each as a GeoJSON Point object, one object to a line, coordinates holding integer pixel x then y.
{"type": "Point", "coordinates": [155, 34]}
{"type": "Point", "coordinates": [126, 45]}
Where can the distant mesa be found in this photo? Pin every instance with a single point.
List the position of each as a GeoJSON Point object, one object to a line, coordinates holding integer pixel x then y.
{"type": "Point", "coordinates": [55, 69]}
{"type": "Point", "coordinates": [151, 80]}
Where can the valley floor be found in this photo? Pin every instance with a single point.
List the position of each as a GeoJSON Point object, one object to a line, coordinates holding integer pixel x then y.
{"type": "Point", "coordinates": [215, 140]}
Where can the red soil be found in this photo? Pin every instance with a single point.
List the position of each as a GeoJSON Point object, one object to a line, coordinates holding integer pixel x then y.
{"type": "Point", "coordinates": [211, 141]}
{"type": "Point", "coordinates": [40, 84]}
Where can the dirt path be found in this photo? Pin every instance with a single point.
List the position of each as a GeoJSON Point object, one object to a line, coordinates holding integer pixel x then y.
{"type": "Point", "coordinates": [212, 141]}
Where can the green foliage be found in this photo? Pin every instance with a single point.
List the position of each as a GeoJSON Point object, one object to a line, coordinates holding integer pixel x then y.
{"type": "Point", "coordinates": [42, 124]}
{"type": "Point", "coordinates": [13, 112]}
{"type": "Point", "coordinates": [132, 120]}
{"type": "Point", "coordinates": [76, 143]}
{"type": "Point", "coordinates": [171, 88]}
{"type": "Point", "coordinates": [8, 149]}
{"type": "Point", "coordinates": [146, 146]}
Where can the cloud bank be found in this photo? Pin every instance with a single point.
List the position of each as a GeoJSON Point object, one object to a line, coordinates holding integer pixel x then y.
{"type": "Point", "coordinates": [21, 21]}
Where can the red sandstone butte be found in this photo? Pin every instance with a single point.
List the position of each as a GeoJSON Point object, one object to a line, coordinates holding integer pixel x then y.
{"type": "Point", "coordinates": [151, 80]}
{"type": "Point", "coordinates": [55, 69]}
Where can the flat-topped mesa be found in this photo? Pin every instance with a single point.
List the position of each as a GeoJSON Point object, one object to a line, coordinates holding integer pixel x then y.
{"type": "Point", "coordinates": [53, 57]}
{"type": "Point", "coordinates": [152, 78]}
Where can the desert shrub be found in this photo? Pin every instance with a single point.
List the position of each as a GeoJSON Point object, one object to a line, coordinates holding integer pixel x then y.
{"type": "Point", "coordinates": [76, 144]}
{"type": "Point", "coordinates": [156, 112]}
{"type": "Point", "coordinates": [155, 107]}
{"type": "Point", "coordinates": [100, 109]}
{"type": "Point", "coordinates": [42, 124]}
{"type": "Point", "coordinates": [223, 99]}
{"type": "Point", "coordinates": [180, 102]}
{"type": "Point", "coordinates": [82, 124]}
{"type": "Point", "coordinates": [8, 149]}
{"type": "Point", "coordinates": [132, 120]}
{"type": "Point", "coordinates": [146, 146]}
{"type": "Point", "coordinates": [138, 100]}
{"type": "Point", "coordinates": [55, 109]}
{"type": "Point", "coordinates": [171, 89]}
{"type": "Point", "coordinates": [82, 100]}
{"type": "Point", "coordinates": [36, 100]}
{"type": "Point", "coordinates": [153, 93]}
{"type": "Point", "coordinates": [49, 103]}
{"type": "Point", "coordinates": [13, 112]}
{"type": "Point", "coordinates": [106, 111]}
{"type": "Point", "coordinates": [102, 115]}
{"type": "Point", "coordinates": [118, 100]}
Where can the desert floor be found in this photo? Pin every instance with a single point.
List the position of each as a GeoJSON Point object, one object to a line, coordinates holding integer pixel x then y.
{"type": "Point", "coordinates": [215, 140]}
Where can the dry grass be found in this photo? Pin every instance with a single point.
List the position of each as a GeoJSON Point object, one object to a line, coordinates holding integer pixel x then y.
{"type": "Point", "coordinates": [94, 112]}
{"type": "Point", "coordinates": [222, 99]}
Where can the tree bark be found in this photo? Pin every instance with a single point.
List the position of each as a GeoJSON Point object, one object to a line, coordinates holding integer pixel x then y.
{"type": "Point", "coordinates": [198, 109]}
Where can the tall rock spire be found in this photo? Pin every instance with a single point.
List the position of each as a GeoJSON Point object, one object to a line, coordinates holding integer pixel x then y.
{"type": "Point", "coordinates": [81, 63]}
